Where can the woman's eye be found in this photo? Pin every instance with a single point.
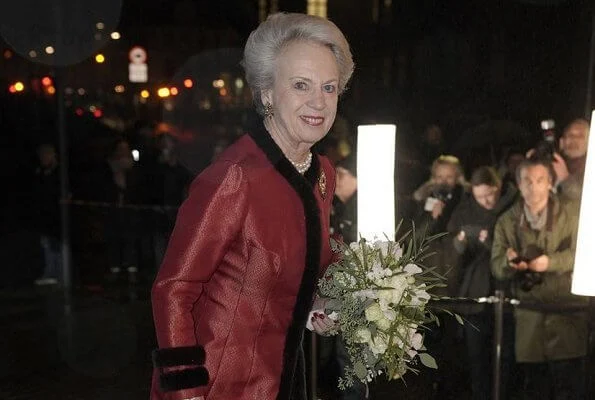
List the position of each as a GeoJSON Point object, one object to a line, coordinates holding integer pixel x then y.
{"type": "Point", "coordinates": [300, 85]}
{"type": "Point", "coordinates": [329, 88]}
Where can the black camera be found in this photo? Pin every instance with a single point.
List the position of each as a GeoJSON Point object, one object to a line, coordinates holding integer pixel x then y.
{"type": "Point", "coordinates": [529, 279]}
{"type": "Point", "coordinates": [442, 193]}
{"type": "Point", "coordinates": [545, 149]}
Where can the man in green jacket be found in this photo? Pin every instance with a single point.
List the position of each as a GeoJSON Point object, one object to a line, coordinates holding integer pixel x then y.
{"type": "Point", "coordinates": [534, 244]}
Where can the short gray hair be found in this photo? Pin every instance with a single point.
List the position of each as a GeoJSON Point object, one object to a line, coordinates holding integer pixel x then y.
{"type": "Point", "coordinates": [273, 35]}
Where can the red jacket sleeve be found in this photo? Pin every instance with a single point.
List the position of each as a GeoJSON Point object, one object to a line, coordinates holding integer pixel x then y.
{"type": "Point", "coordinates": [208, 221]}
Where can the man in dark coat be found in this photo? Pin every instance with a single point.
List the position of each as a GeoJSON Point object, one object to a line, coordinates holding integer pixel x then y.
{"type": "Point", "coordinates": [473, 224]}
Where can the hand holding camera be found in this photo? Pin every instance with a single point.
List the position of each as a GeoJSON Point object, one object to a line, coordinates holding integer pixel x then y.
{"type": "Point", "coordinates": [516, 261]}
{"type": "Point", "coordinates": [529, 269]}
{"type": "Point", "coordinates": [560, 168]}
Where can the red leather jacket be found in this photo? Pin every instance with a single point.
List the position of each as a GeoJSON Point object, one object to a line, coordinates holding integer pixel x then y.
{"type": "Point", "coordinates": [239, 276]}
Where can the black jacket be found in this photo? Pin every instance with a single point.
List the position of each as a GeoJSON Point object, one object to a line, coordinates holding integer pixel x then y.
{"type": "Point", "coordinates": [475, 278]}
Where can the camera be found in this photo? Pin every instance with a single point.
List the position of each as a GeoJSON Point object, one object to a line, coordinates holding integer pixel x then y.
{"type": "Point", "coordinates": [529, 279]}
{"type": "Point", "coordinates": [442, 193]}
{"type": "Point", "coordinates": [545, 149]}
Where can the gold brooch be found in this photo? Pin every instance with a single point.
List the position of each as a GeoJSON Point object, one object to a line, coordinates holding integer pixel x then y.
{"type": "Point", "coordinates": [322, 184]}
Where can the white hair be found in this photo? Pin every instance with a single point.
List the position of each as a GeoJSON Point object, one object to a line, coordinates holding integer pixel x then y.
{"type": "Point", "coordinates": [275, 34]}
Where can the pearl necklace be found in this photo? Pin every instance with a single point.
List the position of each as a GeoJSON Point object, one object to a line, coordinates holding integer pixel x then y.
{"type": "Point", "coordinates": [303, 166]}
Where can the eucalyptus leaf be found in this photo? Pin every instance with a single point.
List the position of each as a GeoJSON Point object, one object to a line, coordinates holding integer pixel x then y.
{"type": "Point", "coordinates": [360, 370]}
{"type": "Point", "coordinates": [428, 360]}
{"type": "Point", "coordinates": [459, 319]}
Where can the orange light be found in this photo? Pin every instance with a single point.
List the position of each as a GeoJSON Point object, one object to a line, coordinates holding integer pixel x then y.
{"type": "Point", "coordinates": [12, 89]}
{"type": "Point", "coordinates": [144, 94]}
{"type": "Point", "coordinates": [7, 54]}
{"type": "Point", "coordinates": [173, 91]}
{"type": "Point", "coordinates": [163, 92]}
{"type": "Point", "coordinates": [51, 90]}
{"type": "Point", "coordinates": [97, 113]}
{"type": "Point", "coordinates": [46, 81]}
{"type": "Point", "coordinates": [19, 86]}
{"type": "Point", "coordinates": [223, 92]}
{"type": "Point", "coordinates": [188, 83]}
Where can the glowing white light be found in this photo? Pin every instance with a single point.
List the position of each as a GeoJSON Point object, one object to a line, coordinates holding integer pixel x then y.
{"type": "Point", "coordinates": [239, 83]}
{"type": "Point", "coordinates": [115, 35]}
{"type": "Point", "coordinates": [100, 25]}
{"type": "Point", "coordinates": [135, 155]}
{"type": "Point", "coordinates": [376, 181]}
{"type": "Point", "coordinates": [49, 50]}
{"type": "Point", "coordinates": [583, 277]}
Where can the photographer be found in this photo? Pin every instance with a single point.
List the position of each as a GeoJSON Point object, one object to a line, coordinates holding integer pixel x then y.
{"type": "Point", "coordinates": [568, 162]}
{"type": "Point", "coordinates": [442, 192]}
{"type": "Point", "coordinates": [534, 243]}
{"type": "Point", "coordinates": [570, 166]}
{"type": "Point", "coordinates": [473, 224]}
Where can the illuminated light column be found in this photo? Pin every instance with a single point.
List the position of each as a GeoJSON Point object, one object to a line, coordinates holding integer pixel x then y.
{"type": "Point", "coordinates": [376, 181]}
{"type": "Point", "coordinates": [583, 278]}
{"type": "Point", "coordinates": [317, 7]}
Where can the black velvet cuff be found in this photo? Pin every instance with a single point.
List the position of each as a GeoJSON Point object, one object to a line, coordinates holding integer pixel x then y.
{"type": "Point", "coordinates": [179, 357]}
{"type": "Point", "coordinates": [184, 379]}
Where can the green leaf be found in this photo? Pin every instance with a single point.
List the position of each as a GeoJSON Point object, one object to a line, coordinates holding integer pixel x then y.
{"type": "Point", "coordinates": [459, 319]}
{"type": "Point", "coordinates": [428, 360]}
{"type": "Point", "coordinates": [360, 370]}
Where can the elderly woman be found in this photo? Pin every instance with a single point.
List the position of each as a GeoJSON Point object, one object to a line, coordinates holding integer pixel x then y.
{"type": "Point", "coordinates": [234, 293]}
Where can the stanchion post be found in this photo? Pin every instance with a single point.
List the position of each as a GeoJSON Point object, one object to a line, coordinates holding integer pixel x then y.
{"type": "Point", "coordinates": [498, 335]}
{"type": "Point", "coordinates": [313, 367]}
{"type": "Point", "coordinates": [64, 182]}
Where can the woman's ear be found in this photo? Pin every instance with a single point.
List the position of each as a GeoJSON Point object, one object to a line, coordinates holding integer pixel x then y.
{"type": "Point", "coordinates": [266, 96]}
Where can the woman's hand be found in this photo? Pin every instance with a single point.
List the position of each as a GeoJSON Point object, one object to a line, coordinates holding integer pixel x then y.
{"type": "Point", "coordinates": [321, 323]}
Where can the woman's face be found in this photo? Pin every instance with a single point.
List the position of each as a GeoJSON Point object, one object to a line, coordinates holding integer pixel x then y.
{"type": "Point", "coordinates": [486, 196]}
{"type": "Point", "coordinates": [305, 93]}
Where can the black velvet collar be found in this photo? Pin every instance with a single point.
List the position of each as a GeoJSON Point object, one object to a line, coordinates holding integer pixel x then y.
{"type": "Point", "coordinates": [292, 385]}
{"type": "Point", "coordinates": [266, 143]}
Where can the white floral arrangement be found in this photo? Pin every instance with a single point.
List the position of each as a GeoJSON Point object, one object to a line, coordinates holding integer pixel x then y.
{"type": "Point", "coordinates": [378, 296]}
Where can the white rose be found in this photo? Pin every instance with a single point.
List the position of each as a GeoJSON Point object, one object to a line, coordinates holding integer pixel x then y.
{"type": "Point", "coordinates": [373, 312]}
{"type": "Point", "coordinates": [378, 344]}
{"type": "Point", "coordinates": [363, 335]}
{"type": "Point", "coordinates": [383, 323]}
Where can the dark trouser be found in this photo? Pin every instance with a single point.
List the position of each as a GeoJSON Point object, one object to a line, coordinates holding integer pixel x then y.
{"type": "Point", "coordinates": [52, 257]}
{"type": "Point", "coordinates": [332, 350]}
{"type": "Point", "coordinates": [121, 239]}
{"type": "Point", "coordinates": [555, 380]}
{"type": "Point", "coordinates": [478, 340]}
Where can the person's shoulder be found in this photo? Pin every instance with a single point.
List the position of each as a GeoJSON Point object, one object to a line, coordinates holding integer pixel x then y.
{"type": "Point", "coordinates": [511, 214]}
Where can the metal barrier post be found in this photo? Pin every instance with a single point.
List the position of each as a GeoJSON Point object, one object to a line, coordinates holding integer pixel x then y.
{"type": "Point", "coordinates": [313, 367]}
{"type": "Point", "coordinates": [498, 334]}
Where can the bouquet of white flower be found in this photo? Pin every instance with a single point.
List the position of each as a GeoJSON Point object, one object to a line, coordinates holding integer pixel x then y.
{"type": "Point", "coordinates": [378, 296]}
